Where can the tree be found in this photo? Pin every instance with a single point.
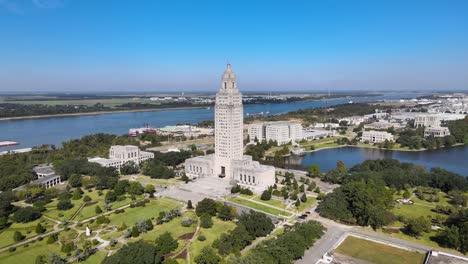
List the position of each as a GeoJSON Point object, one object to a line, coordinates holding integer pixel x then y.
{"type": "Point", "coordinates": [189, 205]}
{"type": "Point", "coordinates": [129, 168]}
{"type": "Point", "coordinates": [225, 213]}
{"type": "Point", "coordinates": [40, 229]}
{"type": "Point", "coordinates": [206, 206]}
{"type": "Point", "coordinates": [135, 188]}
{"type": "Point", "coordinates": [64, 204]}
{"type": "Point", "coordinates": [121, 187]}
{"type": "Point", "coordinates": [138, 252]}
{"type": "Point", "coordinates": [314, 170]}
{"type": "Point", "coordinates": [135, 232]}
{"type": "Point", "coordinates": [206, 221]}
{"type": "Point", "coordinates": [86, 198]}
{"type": "Point", "coordinates": [17, 236]}
{"type": "Point", "coordinates": [297, 203]}
{"type": "Point", "coordinates": [406, 194]}
{"type": "Point", "coordinates": [266, 195]}
{"type": "Point", "coordinates": [52, 238]}
{"type": "Point", "coordinates": [75, 180]}
{"type": "Point", "coordinates": [97, 209]}
{"type": "Point", "coordinates": [303, 198]}
{"type": "Point", "coordinates": [165, 243]}
{"type": "Point", "coordinates": [256, 223]}
{"type": "Point", "coordinates": [340, 167]}
{"type": "Point", "coordinates": [150, 189]}
{"type": "Point", "coordinates": [25, 215]}
{"type": "Point", "coordinates": [416, 226]}
{"type": "Point", "coordinates": [207, 256]}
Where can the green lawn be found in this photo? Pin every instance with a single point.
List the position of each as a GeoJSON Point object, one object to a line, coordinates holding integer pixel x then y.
{"type": "Point", "coordinates": [133, 215]}
{"type": "Point", "coordinates": [174, 227]}
{"type": "Point", "coordinates": [377, 253]}
{"type": "Point", "coordinates": [272, 202]}
{"type": "Point", "coordinates": [413, 211]}
{"type": "Point", "coordinates": [259, 207]}
{"type": "Point", "coordinates": [89, 211]}
{"type": "Point", "coordinates": [6, 235]}
{"type": "Point", "coordinates": [219, 227]}
{"type": "Point", "coordinates": [96, 258]}
{"type": "Point", "coordinates": [29, 254]}
{"type": "Point", "coordinates": [307, 205]}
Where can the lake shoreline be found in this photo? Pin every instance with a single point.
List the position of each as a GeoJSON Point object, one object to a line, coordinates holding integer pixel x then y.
{"type": "Point", "coordinates": [370, 147]}
{"type": "Point", "coordinates": [99, 113]}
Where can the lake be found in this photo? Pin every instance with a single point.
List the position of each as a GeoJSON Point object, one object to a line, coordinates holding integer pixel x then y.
{"type": "Point", "coordinates": [35, 132]}
{"type": "Point", "coordinates": [453, 159]}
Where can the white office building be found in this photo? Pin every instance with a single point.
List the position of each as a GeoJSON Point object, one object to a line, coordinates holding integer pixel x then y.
{"type": "Point", "coordinates": [46, 176]}
{"type": "Point", "coordinates": [281, 132]}
{"type": "Point", "coordinates": [228, 161]}
{"type": "Point", "coordinates": [120, 155]}
{"type": "Point", "coordinates": [436, 131]}
{"type": "Point", "coordinates": [426, 120]}
{"type": "Point", "coordinates": [376, 136]}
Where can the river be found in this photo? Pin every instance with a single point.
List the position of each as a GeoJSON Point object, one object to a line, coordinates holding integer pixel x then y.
{"type": "Point", "coordinates": [453, 159]}
{"type": "Point", "coordinates": [55, 130]}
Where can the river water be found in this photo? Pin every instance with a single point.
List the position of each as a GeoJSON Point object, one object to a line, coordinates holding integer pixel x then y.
{"type": "Point", "coordinates": [453, 159]}
{"type": "Point", "coordinates": [55, 130]}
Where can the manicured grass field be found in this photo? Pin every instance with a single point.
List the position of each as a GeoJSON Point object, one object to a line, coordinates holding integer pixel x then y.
{"type": "Point", "coordinates": [6, 235]}
{"type": "Point", "coordinates": [272, 202]}
{"type": "Point", "coordinates": [307, 205]}
{"type": "Point", "coordinates": [412, 211]}
{"type": "Point", "coordinates": [259, 207]}
{"type": "Point", "coordinates": [133, 215]}
{"type": "Point", "coordinates": [96, 258]}
{"type": "Point", "coordinates": [219, 227]}
{"type": "Point", "coordinates": [29, 254]}
{"type": "Point", "coordinates": [174, 227]}
{"type": "Point", "coordinates": [89, 211]}
{"type": "Point", "coordinates": [377, 253]}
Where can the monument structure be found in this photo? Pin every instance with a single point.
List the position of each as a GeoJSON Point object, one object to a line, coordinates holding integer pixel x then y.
{"type": "Point", "coordinates": [228, 162]}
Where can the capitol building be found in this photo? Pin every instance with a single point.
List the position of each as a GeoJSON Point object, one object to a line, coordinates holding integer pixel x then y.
{"type": "Point", "coordinates": [229, 162]}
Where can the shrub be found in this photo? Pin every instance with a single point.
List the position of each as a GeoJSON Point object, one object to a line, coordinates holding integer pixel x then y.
{"type": "Point", "coordinates": [206, 221]}
{"type": "Point", "coordinates": [186, 221]}
{"type": "Point", "coordinates": [266, 195]}
{"type": "Point", "coordinates": [201, 237]}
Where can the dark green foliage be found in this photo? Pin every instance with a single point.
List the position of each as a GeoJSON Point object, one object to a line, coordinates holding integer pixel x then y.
{"type": "Point", "coordinates": [257, 224]}
{"type": "Point", "coordinates": [121, 187]}
{"type": "Point", "coordinates": [133, 253]}
{"type": "Point", "coordinates": [135, 188]}
{"type": "Point", "coordinates": [206, 206]}
{"type": "Point", "coordinates": [157, 169]}
{"type": "Point", "coordinates": [288, 247]}
{"type": "Point", "coordinates": [206, 221]}
{"type": "Point", "coordinates": [395, 174]}
{"type": "Point", "coordinates": [129, 168]}
{"type": "Point", "coordinates": [6, 199]}
{"type": "Point", "coordinates": [25, 214]}
{"type": "Point", "coordinates": [52, 238]}
{"type": "Point", "coordinates": [459, 130]}
{"type": "Point", "coordinates": [97, 209]}
{"type": "Point", "coordinates": [416, 226]}
{"type": "Point", "coordinates": [358, 202]}
{"type": "Point", "coordinates": [111, 196]}
{"type": "Point", "coordinates": [225, 213]}
{"type": "Point", "coordinates": [17, 236]}
{"type": "Point", "coordinates": [266, 195]}
{"type": "Point", "coordinates": [75, 180]}
{"type": "Point", "coordinates": [172, 158]}
{"type": "Point", "coordinates": [64, 204]}
{"type": "Point", "coordinates": [207, 256]}
{"type": "Point", "coordinates": [86, 199]}
{"type": "Point", "coordinates": [234, 241]}
{"type": "Point", "coordinates": [102, 220]}
{"type": "Point", "coordinates": [165, 243]}
{"type": "Point", "coordinates": [135, 232]}
{"type": "Point", "coordinates": [40, 229]}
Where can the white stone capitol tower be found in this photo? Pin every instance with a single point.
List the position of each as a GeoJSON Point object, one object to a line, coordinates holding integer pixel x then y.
{"type": "Point", "coordinates": [228, 162]}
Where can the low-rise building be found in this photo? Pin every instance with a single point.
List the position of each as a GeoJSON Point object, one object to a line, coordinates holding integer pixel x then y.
{"type": "Point", "coordinates": [281, 132]}
{"type": "Point", "coordinates": [426, 120]}
{"type": "Point", "coordinates": [376, 136]}
{"type": "Point", "coordinates": [311, 134]}
{"type": "Point", "coordinates": [46, 176]}
{"type": "Point", "coordinates": [382, 124]}
{"type": "Point", "coordinates": [436, 131]}
{"type": "Point", "coordinates": [120, 155]}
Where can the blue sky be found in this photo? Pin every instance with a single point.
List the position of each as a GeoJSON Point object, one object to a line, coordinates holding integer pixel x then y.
{"type": "Point", "coordinates": [113, 45]}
